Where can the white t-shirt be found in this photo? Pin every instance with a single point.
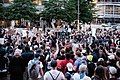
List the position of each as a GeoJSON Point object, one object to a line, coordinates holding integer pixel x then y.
{"type": "Point", "coordinates": [76, 76]}
{"type": "Point", "coordinates": [38, 66]}
{"type": "Point", "coordinates": [54, 73]}
{"type": "Point", "coordinates": [75, 46]}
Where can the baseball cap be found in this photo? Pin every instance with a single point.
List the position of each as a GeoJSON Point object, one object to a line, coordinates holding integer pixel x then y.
{"type": "Point", "coordinates": [69, 66]}
{"type": "Point", "coordinates": [35, 46]}
{"type": "Point", "coordinates": [112, 70]}
{"type": "Point", "coordinates": [100, 59]}
{"type": "Point", "coordinates": [89, 57]}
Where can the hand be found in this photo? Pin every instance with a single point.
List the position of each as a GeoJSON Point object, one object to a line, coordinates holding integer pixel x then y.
{"type": "Point", "coordinates": [57, 41]}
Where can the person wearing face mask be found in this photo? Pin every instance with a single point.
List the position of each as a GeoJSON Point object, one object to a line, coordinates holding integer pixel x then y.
{"type": "Point", "coordinates": [16, 66]}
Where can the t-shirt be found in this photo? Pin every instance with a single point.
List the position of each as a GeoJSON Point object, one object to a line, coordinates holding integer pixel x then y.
{"type": "Point", "coordinates": [59, 63]}
{"type": "Point", "coordinates": [54, 73]}
{"type": "Point", "coordinates": [64, 63]}
{"type": "Point", "coordinates": [39, 65]}
{"type": "Point", "coordinates": [78, 62]}
{"type": "Point", "coordinates": [76, 76]}
{"type": "Point", "coordinates": [114, 79]}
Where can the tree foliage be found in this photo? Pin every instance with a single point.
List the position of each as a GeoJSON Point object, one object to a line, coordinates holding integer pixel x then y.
{"type": "Point", "coordinates": [54, 9]}
{"type": "Point", "coordinates": [21, 9]}
{"type": "Point", "coordinates": [70, 11]}
{"type": "Point", "coordinates": [2, 11]}
{"type": "Point", "coordinates": [67, 10]}
{"type": "Point", "coordinates": [86, 11]}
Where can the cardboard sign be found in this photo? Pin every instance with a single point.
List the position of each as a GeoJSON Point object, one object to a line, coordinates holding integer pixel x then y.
{"type": "Point", "coordinates": [1, 40]}
{"type": "Point", "coordinates": [93, 32]}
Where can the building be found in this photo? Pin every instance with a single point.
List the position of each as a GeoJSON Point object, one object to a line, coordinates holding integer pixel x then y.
{"type": "Point", "coordinates": [108, 11]}
{"type": "Point", "coordinates": [38, 2]}
{"type": "Point", "coordinates": [34, 1]}
{"type": "Point", "coordinates": [39, 7]}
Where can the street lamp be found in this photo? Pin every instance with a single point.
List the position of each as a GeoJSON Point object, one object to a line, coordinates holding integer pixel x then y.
{"type": "Point", "coordinates": [78, 25]}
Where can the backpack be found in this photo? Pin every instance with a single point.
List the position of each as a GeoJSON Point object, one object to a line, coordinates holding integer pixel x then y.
{"type": "Point", "coordinates": [68, 75]}
{"type": "Point", "coordinates": [53, 77]}
{"type": "Point", "coordinates": [82, 75]}
{"type": "Point", "coordinates": [33, 72]}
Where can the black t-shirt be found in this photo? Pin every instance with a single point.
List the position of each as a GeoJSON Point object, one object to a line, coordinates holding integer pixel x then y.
{"type": "Point", "coordinates": [3, 65]}
{"type": "Point", "coordinates": [3, 62]}
{"type": "Point", "coordinates": [114, 79]}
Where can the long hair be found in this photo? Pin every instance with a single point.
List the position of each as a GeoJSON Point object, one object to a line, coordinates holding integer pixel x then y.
{"type": "Point", "coordinates": [33, 67]}
{"type": "Point", "coordinates": [100, 73]}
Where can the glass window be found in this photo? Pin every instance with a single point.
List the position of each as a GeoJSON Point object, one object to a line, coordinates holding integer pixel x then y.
{"type": "Point", "coordinates": [109, 9]}
{"type": "Point", "coordinates": [117, 10]}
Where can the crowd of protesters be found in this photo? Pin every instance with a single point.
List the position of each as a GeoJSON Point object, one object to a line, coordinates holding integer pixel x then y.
{"type": "Point", "coordinates": [60, 55]}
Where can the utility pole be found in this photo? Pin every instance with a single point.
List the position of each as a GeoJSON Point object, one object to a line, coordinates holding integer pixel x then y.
{"type": "Point", "coordinates": [78, 25]}
{"type": "Point", "coordinates": [3, 1]}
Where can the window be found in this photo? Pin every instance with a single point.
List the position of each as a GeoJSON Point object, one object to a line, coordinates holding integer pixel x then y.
{"type": "Point", "coordinates": [39, 2]}
{"type": "Point", "coordinates": [117, 10]}
{"type": "Point", "coordinates": [109, 9]}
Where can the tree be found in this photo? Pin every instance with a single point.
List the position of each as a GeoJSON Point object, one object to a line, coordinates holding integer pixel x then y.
{"type": "Point", "coordinates": [2, 11]}
{"type": "Point", "coordinates": [53, 10]}
{"type": "Point", "coordinates": [70, 11]}
{"type": "Point", "coordinates": [67, 10]}
{"type": "Point", "coordinates": [21, 9]}
{"type": "Point", "coordinates": [86, 11]}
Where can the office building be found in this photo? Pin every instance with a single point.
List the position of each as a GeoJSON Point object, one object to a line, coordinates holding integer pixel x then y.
{"type": "Point", "coordinates": [108, 11]}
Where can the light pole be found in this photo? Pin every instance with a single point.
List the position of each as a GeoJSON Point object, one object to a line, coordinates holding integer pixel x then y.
{"type": "Point", "coordinates": [3, 1]}
{"type": "Point", "coordinates": [78, 25]}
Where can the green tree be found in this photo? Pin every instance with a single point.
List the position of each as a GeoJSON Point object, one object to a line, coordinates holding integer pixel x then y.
{"type": "Point", "coordinates": [54, 9]}
{"type": "Point", "coordinates": [67, 10]}
{"type": "Point", "coordinates": [70, 11]}
{"type": "Point", "coordinates": [21, 9]}
{"type": "Point", "coordinates": [2, 11]}
{"type": "Point", "coordinates": [86, 11]}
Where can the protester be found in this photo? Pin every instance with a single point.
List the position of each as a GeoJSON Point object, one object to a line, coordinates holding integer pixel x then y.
{"type": "Point", "coordinates": [3, 65]}
{"type": "Point", "coordinates": [113, 72]}
{"type": "Point", "coordinates": [16, 66]}
{"type": "Point", "coordinates": [32, 54]}
{"type": "Point", "coordinates": [54, 74]}
{"type": "Point", "coordinates": [99, 74]}
{"type": "Point", "coordinates": [81, 74]}
{"type": "Point", "coordinates": [37, 65]}
{"type": "Point", "coordinates": [65, 61]}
